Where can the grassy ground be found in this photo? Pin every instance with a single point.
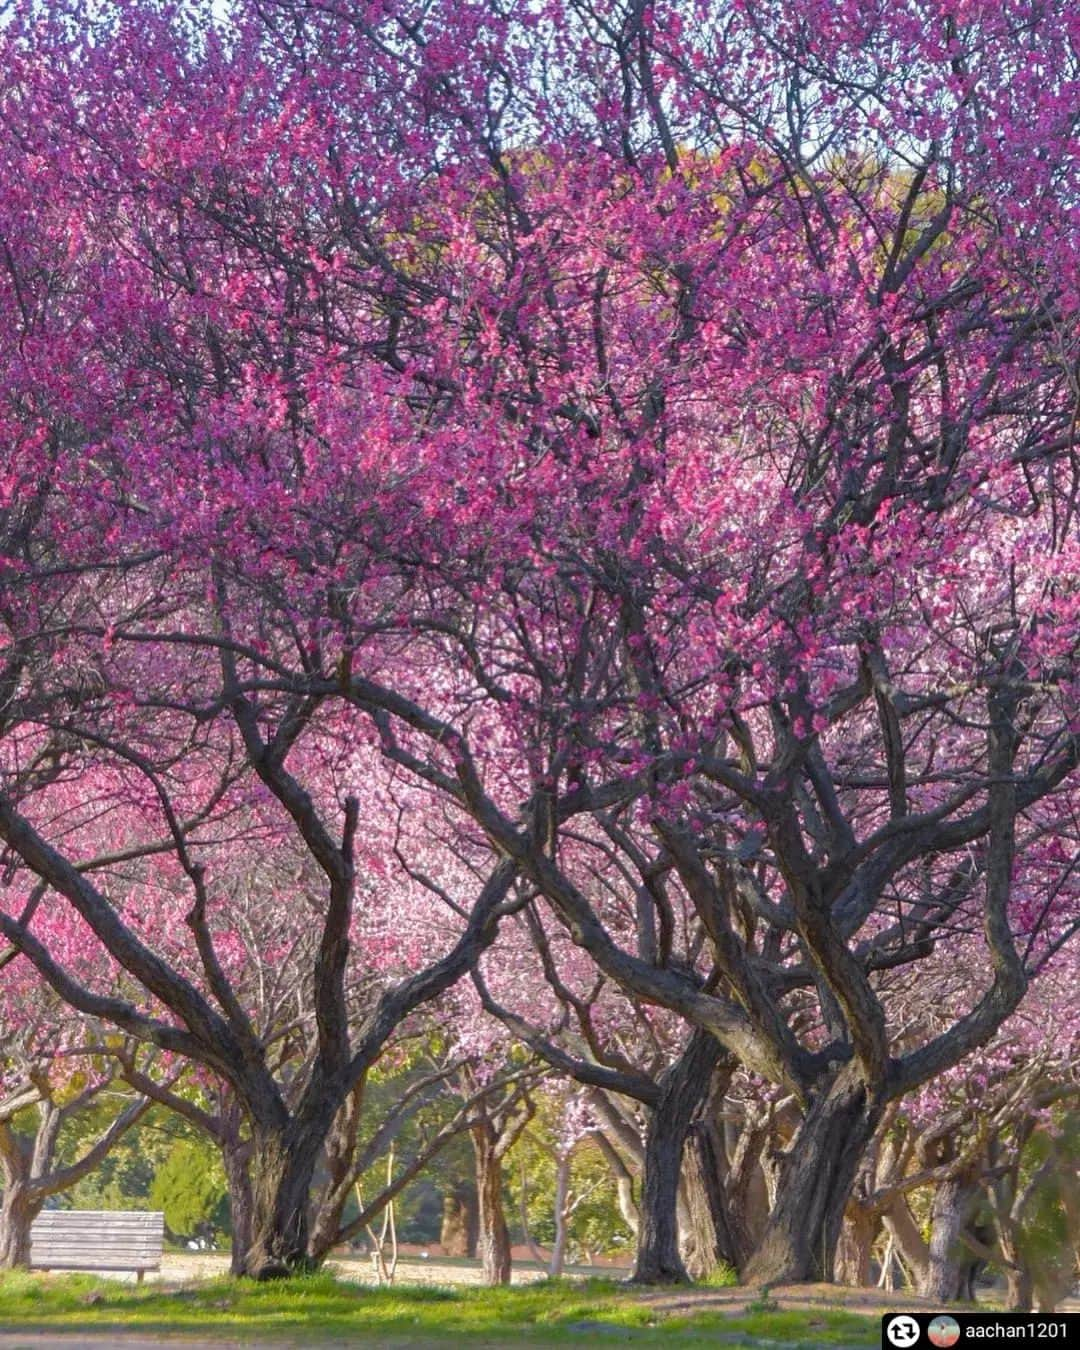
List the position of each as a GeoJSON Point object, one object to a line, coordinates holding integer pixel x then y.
{"type": "Point", "coordinates": [320, 1309]}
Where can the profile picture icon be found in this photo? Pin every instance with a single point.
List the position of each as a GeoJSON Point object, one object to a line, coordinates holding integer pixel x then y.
{"type": "Point", "coordinates": [943, 1331]}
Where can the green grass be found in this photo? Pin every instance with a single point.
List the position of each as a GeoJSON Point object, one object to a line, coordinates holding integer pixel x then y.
{"type": "Point", "coordinates": [320, 1309]}
{"type": "Point", "coordinates": [723, 1277]}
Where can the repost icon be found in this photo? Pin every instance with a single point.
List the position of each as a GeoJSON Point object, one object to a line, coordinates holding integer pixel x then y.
{"type": "Point", "coordinates": [902, 1331]}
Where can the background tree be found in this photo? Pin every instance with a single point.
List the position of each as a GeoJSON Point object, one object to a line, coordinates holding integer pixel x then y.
{"type": "Point", "coordinates": [189, 1188]}
{"type": "Point", "coordinates": [563, 1187]}
{"type": "Point", "coordinates": [55, 1074]}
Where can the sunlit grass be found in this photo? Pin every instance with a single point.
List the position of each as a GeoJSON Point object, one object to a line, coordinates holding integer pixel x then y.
{"type": "Point", "coordinates": [323, 1309]}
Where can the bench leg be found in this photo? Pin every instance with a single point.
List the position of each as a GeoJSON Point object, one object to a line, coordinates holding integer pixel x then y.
{"type": "Point", "coordinates": [138, 1276]}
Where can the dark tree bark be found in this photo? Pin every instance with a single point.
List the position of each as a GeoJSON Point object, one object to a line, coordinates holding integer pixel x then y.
{"type": "Point", "coordinates": [235, 1159]}
{"type": "Point", "coordinates": [857, 1234]}
{"type": "Point", "coordinates": [269, 1167]}
{"type": "Point", "coordinates": [22, 1201]}
{"type": "Point", "coordinates": [494, 1129]}
{"type": "Point", "coordinates": [493, 1243]}
{"type": "Point", "coordinates": [460, 1221]}
{"type": "Point", "coordinates": [714, 1234]}
{"type": "Point", "coordinates": [950, 1212]}
{"type": "Point", "coordinates": [684, 1088]}
{"type": "Point", "coordinates": [18, 1210]}
{"type": "Point", "coordinates": [658, 1260]}
{"type": "Point", "coordinates": [226, 1125]}
{"type": "Point", "coordinates": [339, 1157]}
{"type": "Point", "coordinates": [825, 905]}
{"type": "Point", "coordinates": [977, 1239]}
{"type": "Point", "coordinates": [817, 1174]}
{"type": "Point", "coordinates": [747, 1185]}
{"type": "Point", "coordinates": [347, 1159]}
{"type": "Point", "coordinates": [281, 1170]}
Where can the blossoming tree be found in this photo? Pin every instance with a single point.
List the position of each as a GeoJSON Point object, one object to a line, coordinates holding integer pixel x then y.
{"type": "Point", "coordinates": [662, 416]}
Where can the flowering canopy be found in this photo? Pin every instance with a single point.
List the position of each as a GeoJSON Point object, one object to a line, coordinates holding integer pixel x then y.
{"type": "Point", "coordinates": [658, 416]}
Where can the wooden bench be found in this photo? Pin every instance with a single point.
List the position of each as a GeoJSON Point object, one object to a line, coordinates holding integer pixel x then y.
{"type": "Point", "coordinates": [97, 1239]}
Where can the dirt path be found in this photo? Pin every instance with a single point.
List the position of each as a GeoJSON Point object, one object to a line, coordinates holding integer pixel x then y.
{"type": "Point", "coordinates": [866, 1302]}
{"type": "Point", "coordinates": [803, 1297]}
{"type": "Point", "coordinates": [183, 1268]}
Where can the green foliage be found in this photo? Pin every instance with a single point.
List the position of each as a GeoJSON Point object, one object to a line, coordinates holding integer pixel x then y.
{"type": "Point", "coordinates": [189, 1188]}
{"type": "Point", "coordinates": [764, 1304]}
{"type": "Point", "coordinates": [418, 1212]}
{"type": "Point", "coordinates": [1048, 1162]}
{"type": "Point", "coordinates": [418, 1208]}
{"type": "Point", "coordinates": [596, 1226]}
{"type": "Point", "coordinates": [123, 1178]}
{"type": "Point", "coordinates": [723, 1277]}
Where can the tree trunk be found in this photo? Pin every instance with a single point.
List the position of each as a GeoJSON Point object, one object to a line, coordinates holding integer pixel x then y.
{"type": "Point", "coordinates": [746, 1185]}
{"type": "Point", "coordinates": [683, 1089]}
{"type": "Point", "coordinates": [281, 1173]}
{"type": "Point", "coordinates": [973, 1265]}
{"type": "Point", "coordinates": [1020, 1295]}
{"type": "Point", "coordinates": [817, 1174]}
{"type": "Point", "coordinates": [750, 1200]}
{"type": "Point", "coordinates": [239, 1183]}
{"type": "Point", "coordinates": [911, 1249]}
{"type": "Point", "coordinates": [624, 1181]}
{"type": "Point", "coordinates": [857, 1233]}
{"type": "Point", "coordinates": [713, 1236]}
{"type": "Point", "coordinates": [18, 1210]}
{"type": "Point", "coordinates": [562, 1193]}
{"type": "Point", "coordinates": [333, 1190]}
{"type": "Point", "coordinates": [494, 1240]}
{"type": "Point", "coordinates": [951, 1209]}
{"type": "Point", "coordinates": [460, 1225]}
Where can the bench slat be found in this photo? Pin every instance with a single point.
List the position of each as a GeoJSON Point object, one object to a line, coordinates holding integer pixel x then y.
{"type": "Point", "coordinates": [95, 1265]}
{"type": "Point", "coordinates": [95, 1253]}
{"type": "Point", "coordinates": [86, 1248]}
{"type": "Point", "coordinates": [99, 1227]}
{"type": "Point", "coordinates": [87, 1230]}
{"type": "Point", "coordinates": [117, 1248]}
{"type": "Point", "coordinates": [69, 1218]}
{"type": "Point", "coordinates": [97, 1240]}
